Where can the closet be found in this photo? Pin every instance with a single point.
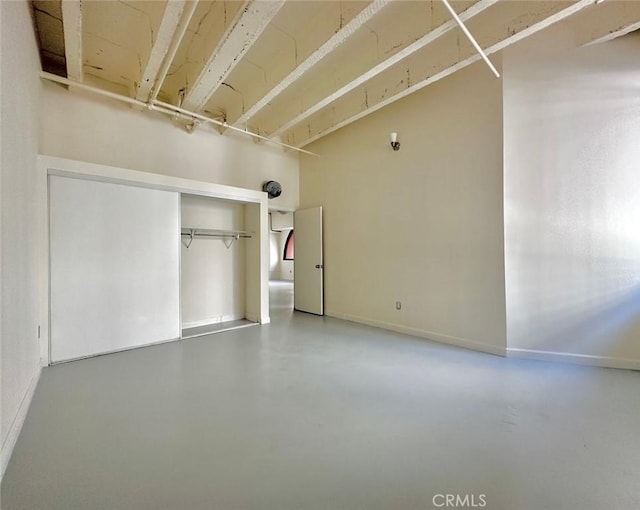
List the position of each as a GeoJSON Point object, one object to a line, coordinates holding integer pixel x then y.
{"type": "Point", "coordinates": [213, 263]}
{"type": "Point", "coordinates": [136, 258]}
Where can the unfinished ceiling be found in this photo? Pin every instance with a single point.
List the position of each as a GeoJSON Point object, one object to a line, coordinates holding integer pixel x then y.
{"type": "Point", "coordinates": [290, 69]}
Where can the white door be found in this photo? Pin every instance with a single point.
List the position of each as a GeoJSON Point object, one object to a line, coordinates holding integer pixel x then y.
{"type": "Point", "coordinates": [308, 293]}
{"type": "Point", "coordinates": [115, 271]}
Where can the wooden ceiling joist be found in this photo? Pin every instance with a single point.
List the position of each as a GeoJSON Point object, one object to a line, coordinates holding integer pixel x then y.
{"type": "Point", "coordinates": [606, 21]}
{"type": "Point", "coordinates": [168, 27]}
{"type": "Point", "coordinates": [427, 39]}
{"type": "Point", "coordinates": [72, 25]}
{"type": "Point", "coordinates": [330, 45]}
{"type": "Point", "coordinates": [252, 19]}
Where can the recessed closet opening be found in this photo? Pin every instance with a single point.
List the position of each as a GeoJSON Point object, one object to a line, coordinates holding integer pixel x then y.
{"type": "Point", "coordinates": [213, 260]}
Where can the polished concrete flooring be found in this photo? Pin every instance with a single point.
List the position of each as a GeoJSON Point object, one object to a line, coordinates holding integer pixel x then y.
{"type": "Point", "coordinates": [318, 413]}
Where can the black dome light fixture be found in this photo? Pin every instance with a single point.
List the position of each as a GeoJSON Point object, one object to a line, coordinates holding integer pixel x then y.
{"type": "Point", "coordinates": [273, 189]}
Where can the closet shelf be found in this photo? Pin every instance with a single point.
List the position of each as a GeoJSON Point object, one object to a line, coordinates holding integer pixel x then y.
{"type": "Point", "coordinates": [191, 233]}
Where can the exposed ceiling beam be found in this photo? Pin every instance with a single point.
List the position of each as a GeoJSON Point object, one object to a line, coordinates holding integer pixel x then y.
{"type": "Point", "coordinates": [470, 37]}
{"type": "Point", "coordinates": [475, 9]}
{"type": "Point", "coordinates": [72, 26]}
{"type": "Point", "coordinates": [498, 46]}
{"type": "Point", "coordinates": [245, 29]}
{"type": "Point", "coordinates": [605, 22]}
{"type": "Point", "coordinates": [180, 32]}
{"type": "Point", "coordinates": [330, 45]}
{"type": "Point", "coordinates": [164, 38]}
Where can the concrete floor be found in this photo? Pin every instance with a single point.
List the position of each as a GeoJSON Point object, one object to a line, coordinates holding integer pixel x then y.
{"type": "Point", "coordinates": [218, 327]}
{"type": "Point", "coordinates": [318, 413]}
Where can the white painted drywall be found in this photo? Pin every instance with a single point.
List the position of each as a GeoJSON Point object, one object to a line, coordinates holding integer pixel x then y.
{"type": "Point", "coordinates": [213, 276]}
{"type": "Point", "coordinates": [115, 278]}
{"type": "Point", "coordinates": [20, 235]}
{"type": "Point", "coordinates": [423, 225]}
{"type": "Point", "coordinates": [84, 127]}
{"type": "Point", "coordinates": [572, 200]}
{"type": "Point", "coordinates": [281, 220]}
{"type": "Point", "coordinates": [274, 255]}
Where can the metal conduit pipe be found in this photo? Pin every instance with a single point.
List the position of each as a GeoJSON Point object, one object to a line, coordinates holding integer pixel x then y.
{"type": "Point", "coordinates": [472, 39]}
{"type": "Point", "coordinates": [225, 125]}
{"type": "Point", "coordinates": [165, 108]}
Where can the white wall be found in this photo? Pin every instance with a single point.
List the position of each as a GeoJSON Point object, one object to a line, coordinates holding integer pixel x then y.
{"type": "Point", "coordinates": [281, 220]}
{"type": "Point", "coordinates": [572, 200]}
{"type": "Point", "coordinates": [85, 127]}
{"type": "Point", "coordinates": [274, 255]}
{"type": "Point", "coordinates": [423, 225]}
{"type": "Point", "coordinates": [280, 269]}
{"type": "Point", "coordinates": [281, 225]}
{"type": "Point", "coordinates": [213, 276]}
{"type": "Point", "coordinates": [20, 236]}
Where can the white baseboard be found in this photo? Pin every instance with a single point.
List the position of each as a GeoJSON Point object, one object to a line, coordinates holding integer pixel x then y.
{"type": "Point", "coordinates": [14, 431]}
{"type": "Point", "coordinates": [580, 359]}
{"type": "Point", "coordinates": [429, 335]}
{"type": "Point", "coordinates": [213, 320]}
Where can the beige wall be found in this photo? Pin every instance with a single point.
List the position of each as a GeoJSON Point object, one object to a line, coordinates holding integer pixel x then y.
{"type": "Point", "coordinates": [88, 128]}
{"type": "Point", "coordinates": [423, 225]}
{"type": "Point", "coordinates": [572, 201]}
{"type": "Point", "coordinates": [20, 236]}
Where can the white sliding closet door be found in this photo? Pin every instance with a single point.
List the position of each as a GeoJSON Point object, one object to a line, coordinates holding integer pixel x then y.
{"type": "Point", "coordinates": [114, 267]}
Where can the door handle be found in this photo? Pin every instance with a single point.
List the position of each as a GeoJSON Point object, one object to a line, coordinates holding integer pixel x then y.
{"type": "Point", "coordinates": [319, 266]}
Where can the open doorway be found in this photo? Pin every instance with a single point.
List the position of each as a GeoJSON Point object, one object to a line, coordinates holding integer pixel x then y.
{"type": "Point", "coordinates": [281, 260]}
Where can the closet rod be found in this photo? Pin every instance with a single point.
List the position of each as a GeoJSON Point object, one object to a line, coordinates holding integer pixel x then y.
{"type": "Point", "coordinates": [233, 235]}
{"type": "Point", "coordinates": [213, 232]}
{"type": "Point", "coordinates": [243, 236]}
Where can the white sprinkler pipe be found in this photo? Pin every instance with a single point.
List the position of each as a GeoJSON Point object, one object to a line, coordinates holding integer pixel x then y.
{"type": "Point", "coordinates": [165, 108]}
{"type": "Point", "coordinates": [187, 113]}
{"type": "Point", "coordinates": [471, 38]}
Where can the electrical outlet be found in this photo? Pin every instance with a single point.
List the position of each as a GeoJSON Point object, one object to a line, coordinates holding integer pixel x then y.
{"type": "Point", "coordinates": [398, 305]}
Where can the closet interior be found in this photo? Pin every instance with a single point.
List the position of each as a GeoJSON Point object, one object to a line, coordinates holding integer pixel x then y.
{"type": "Point", "coordinates": [213, 265]}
